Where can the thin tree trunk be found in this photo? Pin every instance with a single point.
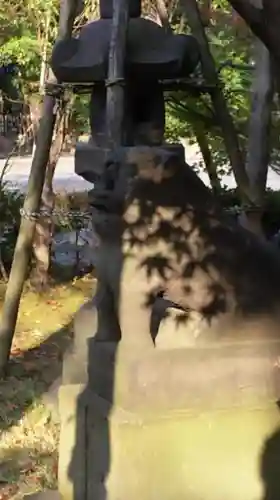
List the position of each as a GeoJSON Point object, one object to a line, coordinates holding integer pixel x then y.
{"type": "Point", "coordinates": [205, 12]}
{"type": "Point", "coordinates": [43, 71]}
{"type": "Point", "coordinates": [35, 114]}
{"type": "Point", "coordinates": [25, 237]}
{"type": "Point", "coordinates": [211, 169]}
{"type": "Point", "coordinates": [44, 226]}
{"type": "Point", "coordinates": [264, 22]}
{"type": "Point", "coordinates": [2, 268]}
{"type": "Point", "coordinates": [32, 204]}
{"type": "Point", "coordinates": [219, 103]}
{"type": "Point", "coordinates": [259, 137]}
{"type": "Point", "coordinates": [115, 91]}
{"type": "Point", "coordinates": [163, 16]}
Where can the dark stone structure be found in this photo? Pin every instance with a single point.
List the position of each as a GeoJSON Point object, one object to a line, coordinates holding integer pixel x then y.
{"type": "Point", "coordinates": [141, 418]}
{"type": "Point", "coordinates": [152, 56]}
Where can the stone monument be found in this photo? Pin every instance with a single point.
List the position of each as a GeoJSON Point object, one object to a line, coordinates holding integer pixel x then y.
{"type": "Point", "coordinates": [149, 408]}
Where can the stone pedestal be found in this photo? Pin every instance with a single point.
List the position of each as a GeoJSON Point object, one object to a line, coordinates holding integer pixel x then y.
{"type": "Point", "coordinates": [193, 423]}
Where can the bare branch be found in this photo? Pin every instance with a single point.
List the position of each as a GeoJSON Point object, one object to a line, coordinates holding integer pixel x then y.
{"type": "Point", "coordinates": [163, 15]}
{"type": "Point", "coordinates": [264, 22]}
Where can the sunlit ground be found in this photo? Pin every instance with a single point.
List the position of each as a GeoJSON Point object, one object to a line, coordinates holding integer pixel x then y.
{"type": "Point", "coordinates": [29, 430]}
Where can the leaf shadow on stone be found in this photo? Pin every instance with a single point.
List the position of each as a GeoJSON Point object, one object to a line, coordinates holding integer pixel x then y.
{"type": "Point", "coordinates": [181, 249]}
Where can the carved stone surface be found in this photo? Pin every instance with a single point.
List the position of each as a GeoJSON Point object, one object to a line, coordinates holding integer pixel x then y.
{"type": "Point", "coordinates": [151, 53]}
{"type": "Point", "coordinates": [154, 425]}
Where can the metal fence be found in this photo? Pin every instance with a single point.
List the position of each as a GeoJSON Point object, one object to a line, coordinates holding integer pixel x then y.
{"type": "Point", "coordinates": [15, 125]}
{"type": "Point", "coordinates": [10, 125]}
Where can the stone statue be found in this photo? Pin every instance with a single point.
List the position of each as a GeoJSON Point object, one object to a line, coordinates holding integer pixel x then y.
{"type": "Point", "coordinates": [148, 419]}
{"type": "Point", "coordinates": [152, 57]}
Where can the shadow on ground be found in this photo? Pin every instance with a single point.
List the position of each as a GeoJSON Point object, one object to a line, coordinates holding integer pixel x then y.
{"type": "Point", "coordinates": [31, 375]}
{"type": "Point", "coordinates": [269, 466]}
{"type": "Point", "coordinates": [27, 470]}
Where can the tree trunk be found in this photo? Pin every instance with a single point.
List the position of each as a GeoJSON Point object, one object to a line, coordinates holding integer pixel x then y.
{"type": "Point", "coordinates": [3, 271]}
{"type": "Point", "coordinates": [163, 16]}
{"type": "Point", "coordinates": [35, 107]}
{"type": "Point", "coordinates": [259, 138]}
{"type": "Point", "coordinates": [43, 71]}
{"type": "Point", "coordinates": [211, 169]}
{"type": "Point", "coordinates": [44, 226]}
{"type": "Point", "coordinates": [264, 22]}
{"type": "Point", "coordinates": [115, 90]}
{"type": "Point", "coordinates": [26, 232]}
{"type": "Point", "coordinates": [219, 103]}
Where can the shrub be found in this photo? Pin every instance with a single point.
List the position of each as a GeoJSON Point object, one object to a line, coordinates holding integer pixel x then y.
{"type": "Point", "coordinates": [271, 217]}
{"type": "Point", "coordinates": [12, 200]}
{"type": "Point", "coordinates": [69, 204]}
{"type": "Point", "coordinates": [10, 204]}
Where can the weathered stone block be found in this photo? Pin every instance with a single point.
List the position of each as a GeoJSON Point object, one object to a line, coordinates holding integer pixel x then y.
{"type": "Point", "coordinates": [182, 423]}
{"type": "Point", "coordinates": [204, 455]}
{"type": "Point", "coordinates": [90, 159]}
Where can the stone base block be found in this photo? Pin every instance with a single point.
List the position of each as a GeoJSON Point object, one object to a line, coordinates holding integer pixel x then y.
{"type": "Point", "coordinates": [190, 424]}
{"type": "Point", "coordinates": [90, 159]}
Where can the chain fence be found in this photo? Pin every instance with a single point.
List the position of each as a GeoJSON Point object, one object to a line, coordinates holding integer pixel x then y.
{"type": "Point", "coordinates": [76, 242]}
{"type": "Point", "coordinates": [58, 215]}
{"type": "Point", "coordinates": [73, 240]}
{"type": "Point", "coordinates": [61, 215]}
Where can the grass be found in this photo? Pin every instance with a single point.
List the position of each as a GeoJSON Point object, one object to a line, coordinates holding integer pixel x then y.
{"type": "Point", "coordinates": [29, 430]}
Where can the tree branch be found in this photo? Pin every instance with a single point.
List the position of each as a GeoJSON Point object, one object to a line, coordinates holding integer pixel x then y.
{"type": "Point", "coordinates": [264, 22]}
{"type": "Point", "coordinates": [218, 100]}
{"type": "Point", "coordinates": [163, 15]}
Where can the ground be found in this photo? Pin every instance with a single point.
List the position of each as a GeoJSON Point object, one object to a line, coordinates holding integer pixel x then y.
{"type": "Point", "coordinates": [29, 430]}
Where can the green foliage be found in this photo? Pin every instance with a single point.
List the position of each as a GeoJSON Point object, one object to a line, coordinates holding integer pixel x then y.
{"type": "Point", "coordinates": [10, 204]}
{"type": "Point", "coordinates": [232, 53]}
{"type": "Point", "coordinates": [25, 51]}
{"type": "Point", "coordinates": [28, 30]}
{"type": "Point", "coordinates": [80, 114]}
{"type": "Point", "coordinates": [28, 27]}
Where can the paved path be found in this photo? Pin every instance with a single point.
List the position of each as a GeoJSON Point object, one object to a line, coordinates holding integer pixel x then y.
{"type": "Point", "coordinates": [65, 178]}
